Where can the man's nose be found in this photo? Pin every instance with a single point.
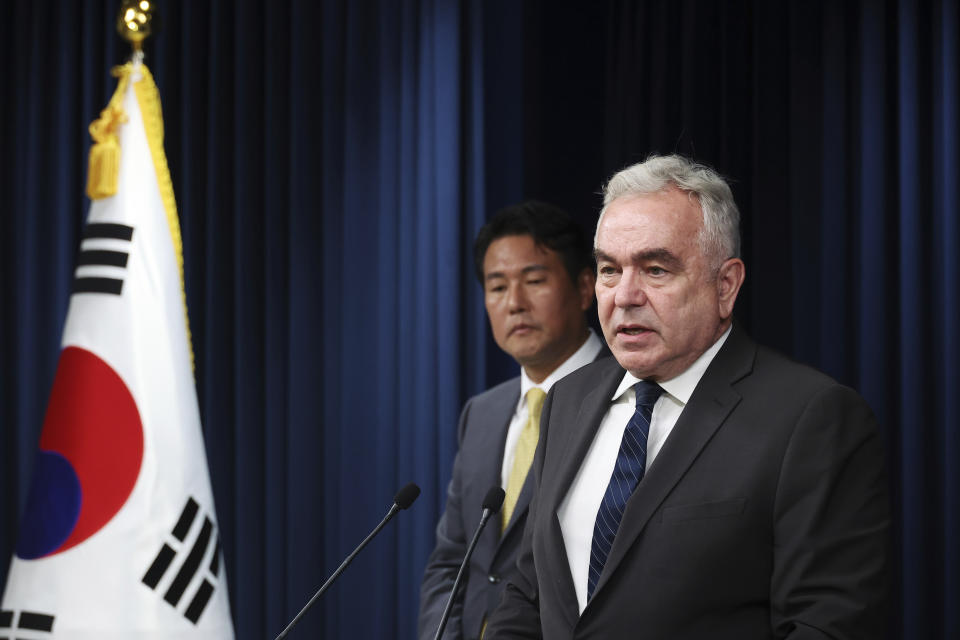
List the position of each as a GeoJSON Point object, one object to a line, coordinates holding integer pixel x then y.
{"type": "Point", "coordinates": [630, 291]}
{"type": "Point", "coordinates": [517, 298]}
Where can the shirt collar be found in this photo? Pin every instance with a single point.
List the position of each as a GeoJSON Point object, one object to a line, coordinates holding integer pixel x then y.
{"type": "Point", "coordinates": [681, 387]}
{"type": "Point", "coordinates": [584, 355]}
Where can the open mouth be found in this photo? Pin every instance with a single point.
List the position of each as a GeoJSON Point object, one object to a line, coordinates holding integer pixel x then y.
{"type": "Point", "coordinates": [633, 331]}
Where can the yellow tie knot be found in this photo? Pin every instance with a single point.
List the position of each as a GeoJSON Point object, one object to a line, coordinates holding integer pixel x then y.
{"type": "Point", "coordinates": [535, 397]}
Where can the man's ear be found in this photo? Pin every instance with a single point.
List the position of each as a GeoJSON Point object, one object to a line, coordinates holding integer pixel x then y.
{"type": "Point", "coordinates": [585, 283]}
{"type": "Point", "coordinates": [729, 280]}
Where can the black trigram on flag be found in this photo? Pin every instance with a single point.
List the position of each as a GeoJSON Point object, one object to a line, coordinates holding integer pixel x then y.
{"type": "Point", "coordinates": [30, 622]}
{"type": "Point", "coordinates": [195, 549]}
{"type": "Point", "coordinates": [103, 258]}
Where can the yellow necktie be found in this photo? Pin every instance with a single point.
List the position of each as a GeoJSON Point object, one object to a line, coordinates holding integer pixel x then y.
{"type": "Point", "coordinates": [523, 457]}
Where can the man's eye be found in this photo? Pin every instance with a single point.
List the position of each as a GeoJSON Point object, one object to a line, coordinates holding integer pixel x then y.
{"type": "Point", "coordinates": [536, 280]}
{"type": "Point", "coordinates": [657, 271]}
{"type": "Point", "coordinates": [606, 270]}
{"type": "Point", "coordinates": [497, 288]}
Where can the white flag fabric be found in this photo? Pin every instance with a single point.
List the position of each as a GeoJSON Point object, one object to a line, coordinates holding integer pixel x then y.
{"type": "Point", "coordinates": [119, 538]}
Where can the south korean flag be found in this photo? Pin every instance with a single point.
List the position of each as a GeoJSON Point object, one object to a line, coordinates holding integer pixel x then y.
{"type": "Point", "coordinates": [119, 538]}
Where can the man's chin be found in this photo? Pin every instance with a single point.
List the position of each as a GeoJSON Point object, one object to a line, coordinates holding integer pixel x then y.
{"type": "Point", "coordinates": [640, 364]}
{"type": "Point", "coordinates": [524, 352]}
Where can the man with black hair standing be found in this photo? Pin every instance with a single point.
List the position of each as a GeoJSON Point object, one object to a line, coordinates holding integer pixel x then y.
{"type": "Point", "coordinates": [536, 269]}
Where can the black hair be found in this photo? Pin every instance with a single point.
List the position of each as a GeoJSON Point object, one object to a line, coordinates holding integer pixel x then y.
{"type": "Point", "coordinates": [549, 226]}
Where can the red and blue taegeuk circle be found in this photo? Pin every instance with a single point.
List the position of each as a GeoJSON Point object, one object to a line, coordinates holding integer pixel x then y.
{"type": "Point", "coordinates": [91, 449]}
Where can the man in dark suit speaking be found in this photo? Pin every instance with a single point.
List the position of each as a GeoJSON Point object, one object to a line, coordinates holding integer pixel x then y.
{"type": "Point", "coordinates": [537, 274]}
{"type": "Point", "coordinates": [696, 486]}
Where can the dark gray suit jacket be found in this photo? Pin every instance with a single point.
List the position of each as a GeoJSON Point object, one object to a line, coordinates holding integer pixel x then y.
{"type": "Point", "coordinates": [765, 514]}
{"type": "Point", "coordinates": [481, 434]}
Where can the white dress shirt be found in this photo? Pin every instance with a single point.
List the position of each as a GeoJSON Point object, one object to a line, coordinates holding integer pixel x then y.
{"type": "Point", "coordinates": [584, 355]}
{"type": "Point", "coordinates": [578, 511]}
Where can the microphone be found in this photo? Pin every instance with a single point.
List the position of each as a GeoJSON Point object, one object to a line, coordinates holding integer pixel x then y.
{"type": "Point", "coordinates": [491, 504]}
{"type": "Point", "coordinates": [402, 500]}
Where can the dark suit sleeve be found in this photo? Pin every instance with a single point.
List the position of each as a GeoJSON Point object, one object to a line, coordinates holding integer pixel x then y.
{"type": "Point", "coordinates": [831, 527]}
{"type": "Point", "coordinates": [518, 614]}
{"type": "Point", "coordinates": [447, 554]}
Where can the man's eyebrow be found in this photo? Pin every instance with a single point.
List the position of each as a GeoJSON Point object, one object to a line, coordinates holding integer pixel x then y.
{"type": "Point", "coordinates": [530, 268]}
{"type": "Point", "coordinates": [661, 255]}
{"type": "Point", "coordinates": [599, 255]}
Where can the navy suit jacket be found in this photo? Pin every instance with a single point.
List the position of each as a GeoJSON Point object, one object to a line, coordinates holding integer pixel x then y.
{"type": "Point", "coordinates": [765, 514]}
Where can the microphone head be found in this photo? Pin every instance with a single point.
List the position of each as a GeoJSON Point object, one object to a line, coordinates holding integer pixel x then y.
{"type": "Point", "coordinates": [493, 500]}
{"type": "Point", "coordinates": [407, 495]}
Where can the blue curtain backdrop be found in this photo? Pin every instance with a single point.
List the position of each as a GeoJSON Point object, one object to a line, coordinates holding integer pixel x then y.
{"type": "Point", "coordinates": [332, 161]}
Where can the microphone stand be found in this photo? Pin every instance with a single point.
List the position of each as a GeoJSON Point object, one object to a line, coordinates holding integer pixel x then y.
{"type": "Point", "coordinates": [402, 500]}
{"type": "Point", "coordinates": [491, 504]}
{"type": "Point", "coordinates": [336, 574]}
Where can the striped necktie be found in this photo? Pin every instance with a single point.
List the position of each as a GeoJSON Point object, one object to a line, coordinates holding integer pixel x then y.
{"type": "Point", "coordinates": [627, 473]}
{"type": "Point", "coordinates": [523, 456]}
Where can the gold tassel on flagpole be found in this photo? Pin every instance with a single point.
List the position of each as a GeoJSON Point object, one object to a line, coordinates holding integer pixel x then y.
{"type": "Point", "coordinates": [104, 165]}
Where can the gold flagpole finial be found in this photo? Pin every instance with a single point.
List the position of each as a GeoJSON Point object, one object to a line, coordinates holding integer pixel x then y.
{"type": "Point", "coordinates": [136, 21]}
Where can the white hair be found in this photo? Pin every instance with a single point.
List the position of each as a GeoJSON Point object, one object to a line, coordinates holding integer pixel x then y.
{"type": "Point", "coordinates": [719, 238]}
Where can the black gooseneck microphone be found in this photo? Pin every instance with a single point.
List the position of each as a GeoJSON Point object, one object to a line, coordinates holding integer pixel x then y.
{"type": "Point", "coordinates": [402, 500]}
{"type": "Point", "coordinates": [491, 504]}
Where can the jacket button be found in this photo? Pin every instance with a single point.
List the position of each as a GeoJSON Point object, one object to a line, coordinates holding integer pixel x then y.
{"type": "Point", "coordinates": [493, 579]}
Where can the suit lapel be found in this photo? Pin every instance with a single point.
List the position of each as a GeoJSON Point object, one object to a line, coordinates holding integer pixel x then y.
{"type": "Point", "coordinates": [489, 475]}
{"type": "Point", "coordinates": [712, 401]}
{"type": "Point", "coordinates": [582, 429]}
{"type": "Point", "coordinates": [526, 493]}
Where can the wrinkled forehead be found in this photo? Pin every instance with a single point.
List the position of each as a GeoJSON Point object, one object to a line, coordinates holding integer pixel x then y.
{"type": "Point", "coordinates": [665, 217]}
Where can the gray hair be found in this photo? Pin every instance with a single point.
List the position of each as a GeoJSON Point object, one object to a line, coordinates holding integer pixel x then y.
{"type": "Point", "coordinates": [720, 237]}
